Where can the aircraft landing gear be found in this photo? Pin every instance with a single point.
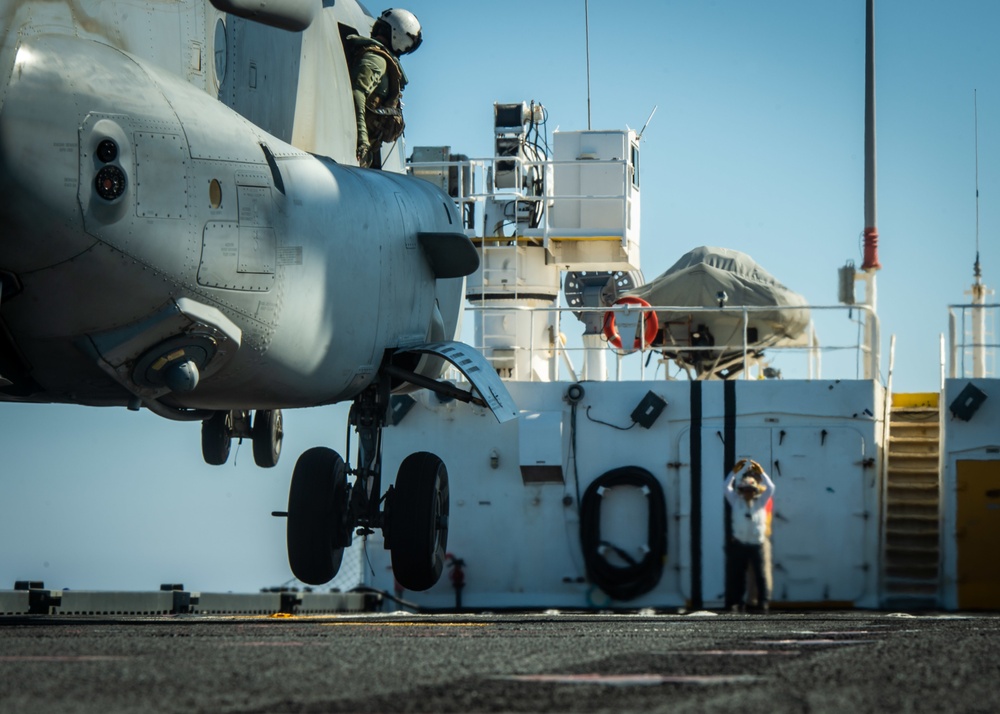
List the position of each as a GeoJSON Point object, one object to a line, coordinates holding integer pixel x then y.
{"type": "Point", "coordinates": [418, 521]}
{"type": "Point", "coordinates": [219, 430]}
{"type": "Point", "coordinates": [323, 510]}
{"type": "Point", "coordinates": [318, 528]}
{"type": "Point", "coordinates": [268, 432]}
{"type": "Point", "coordinates": [216, 438]}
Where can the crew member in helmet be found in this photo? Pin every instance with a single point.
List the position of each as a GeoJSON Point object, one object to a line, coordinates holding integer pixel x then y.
{"type": "Point", "coordinates": [748, 491]}
{"type": "Point", "coordinates": [377, 81]}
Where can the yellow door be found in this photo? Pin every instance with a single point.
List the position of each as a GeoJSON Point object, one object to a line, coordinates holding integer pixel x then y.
{"type": "Point", "coordinates": [978, 534]}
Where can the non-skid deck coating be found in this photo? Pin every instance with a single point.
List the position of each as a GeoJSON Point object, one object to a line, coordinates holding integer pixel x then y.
{"type": "Point", "coordinates": [559, 662]}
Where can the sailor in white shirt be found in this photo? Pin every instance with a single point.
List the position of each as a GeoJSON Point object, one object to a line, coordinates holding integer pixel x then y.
{"type": "Point", "coordinates": [747, 491]}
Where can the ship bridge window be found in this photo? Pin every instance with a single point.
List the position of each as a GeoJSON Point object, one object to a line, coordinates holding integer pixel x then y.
{"type": "Point", "coordinates": [635, 165]}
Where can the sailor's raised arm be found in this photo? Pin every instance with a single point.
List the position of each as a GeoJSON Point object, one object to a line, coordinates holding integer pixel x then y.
{"type": "Point", "coordinates": [729, 491]}
{"type": "Point", "coordinates": [768, 485]}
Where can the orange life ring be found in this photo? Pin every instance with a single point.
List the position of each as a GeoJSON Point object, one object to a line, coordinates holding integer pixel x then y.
{"type": "Point", "coordinates": [652, 324]}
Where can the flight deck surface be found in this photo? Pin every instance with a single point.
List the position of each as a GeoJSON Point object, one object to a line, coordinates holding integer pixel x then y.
{"type": "Point", "coordinates": [525, 662]}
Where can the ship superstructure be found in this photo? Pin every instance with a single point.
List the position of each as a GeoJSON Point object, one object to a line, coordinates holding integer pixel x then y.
{"type": "Point", "coordinates": [606, 492]}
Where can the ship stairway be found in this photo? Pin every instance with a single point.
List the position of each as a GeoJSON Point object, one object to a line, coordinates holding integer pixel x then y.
{"type": "Point", "coordinates": [911, 562]}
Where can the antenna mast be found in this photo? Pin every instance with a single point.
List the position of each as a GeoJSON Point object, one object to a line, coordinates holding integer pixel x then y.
{"type": "Point", "coordinates": [870, 266]}
{"type": "Point", "coordinates": [978, 290]}
{"type": "Point", "coordinates": [586, 16]}
{"type": "Point", "coordinates": [871, 231]}
{"type": "Point", "coordinates": [648, 119]}
{"type": "Point", "coordinates": [976, 271]}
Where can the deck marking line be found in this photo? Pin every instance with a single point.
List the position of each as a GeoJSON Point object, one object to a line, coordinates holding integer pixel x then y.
{"type": "Point", "coordinates": [631, 680]}
{"type": "Point", "coordinates": [61, 658]}
{"type": "Point", "coordinates": [814, 642]}
{"type": "Point", "coordinates": [406, 624]}
{"type": "Point", "coordinates": [735, 653]}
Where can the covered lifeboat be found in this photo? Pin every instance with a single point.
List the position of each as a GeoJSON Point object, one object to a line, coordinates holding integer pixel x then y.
{"type": "Point", "coordinates": [711, 340]}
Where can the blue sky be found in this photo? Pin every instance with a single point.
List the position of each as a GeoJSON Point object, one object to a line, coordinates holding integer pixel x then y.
{"type": "Point", "coordinates": [756, 145]}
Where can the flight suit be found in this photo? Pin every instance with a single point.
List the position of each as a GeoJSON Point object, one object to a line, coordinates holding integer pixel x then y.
{"type": "Point", "coordinates": [377, 82]}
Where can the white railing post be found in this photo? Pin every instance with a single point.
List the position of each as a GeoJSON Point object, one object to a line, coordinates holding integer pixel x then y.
{"type": "Point", "coordinates": [884, 461]}
{"type": "Point", "coordinates": [952, 344]}
{"type": "Point", "coordinates": [745, 316]}
{"type": "Point", "coordinates": [942, 363]}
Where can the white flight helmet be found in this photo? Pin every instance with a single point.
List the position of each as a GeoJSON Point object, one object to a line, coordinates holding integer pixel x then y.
{"type": "Point", "coordinates": [404, 30]}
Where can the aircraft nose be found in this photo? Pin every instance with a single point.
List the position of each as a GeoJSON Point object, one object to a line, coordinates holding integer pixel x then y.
{"type": "Point", "coordinates": [39, 160]}
{"type": "Point", "coordinates": [66, 155]}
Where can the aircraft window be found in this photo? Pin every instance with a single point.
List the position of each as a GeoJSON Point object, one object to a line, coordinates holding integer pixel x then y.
{"type": "Point", "coordinates": [221, 51]}
{"type": "Point", "coordinates": [215, 193]}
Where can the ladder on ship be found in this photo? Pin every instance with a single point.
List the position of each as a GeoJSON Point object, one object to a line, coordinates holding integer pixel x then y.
{"type": "Point", "coordinates": [911, 562]}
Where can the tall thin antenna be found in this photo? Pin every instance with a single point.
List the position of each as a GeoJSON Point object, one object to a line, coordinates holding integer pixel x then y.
{"type": "Point", "coordinates": [978, 291]}
{"type": "Point", "coordinates": [586, 14]}
{"type": "Point", "coordinates": [976, 271]}
{"type": "Point", "coordinates": [648, 119]}
{"type": "Point", "coordinates": [870, 265]}
{"type": "Point", "coordinates": [871, 230]}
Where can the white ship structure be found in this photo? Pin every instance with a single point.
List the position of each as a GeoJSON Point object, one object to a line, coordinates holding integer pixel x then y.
{"type": "Point", "coordinates": [635, 399]}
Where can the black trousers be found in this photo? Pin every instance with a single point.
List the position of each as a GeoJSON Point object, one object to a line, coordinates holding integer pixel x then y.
{"type": "Point", "coordinates": [738, 556]}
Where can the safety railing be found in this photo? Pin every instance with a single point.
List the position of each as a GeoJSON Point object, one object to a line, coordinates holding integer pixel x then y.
{"type": "Point", "coordinates": [471, 184]}
{"type": "Point", "coordinates": [459, 179]}
{"type": "Point", "coordinates": [972, 340]}
{"type": "Point", "coordinates": [775, 356]}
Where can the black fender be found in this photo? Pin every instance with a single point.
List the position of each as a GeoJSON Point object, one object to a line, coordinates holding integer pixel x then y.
{"type": "Point", "coordinates": [638, 577]}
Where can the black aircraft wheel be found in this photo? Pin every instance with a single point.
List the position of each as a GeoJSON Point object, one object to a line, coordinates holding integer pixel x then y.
{"type": "Point", "coordinates": [216, 438]}
{"type": "Point", "coordinates": [419, 521]}
{"type": "Point", "coordinates": [317, 528]}
{"type": "Point", "coordinates": [267, 435]}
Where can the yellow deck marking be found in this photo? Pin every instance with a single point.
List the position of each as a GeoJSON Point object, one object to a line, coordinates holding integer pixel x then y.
{"type": "Point", "coordinates": [406, 624]}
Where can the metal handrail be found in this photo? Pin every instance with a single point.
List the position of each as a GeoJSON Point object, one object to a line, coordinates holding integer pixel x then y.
{"type": "Point", "coordinates": [482, 166]}
{"type": "Point", "coordinates": [746, 348]}
{"type": "Point", "coordinates": [960, 349]}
